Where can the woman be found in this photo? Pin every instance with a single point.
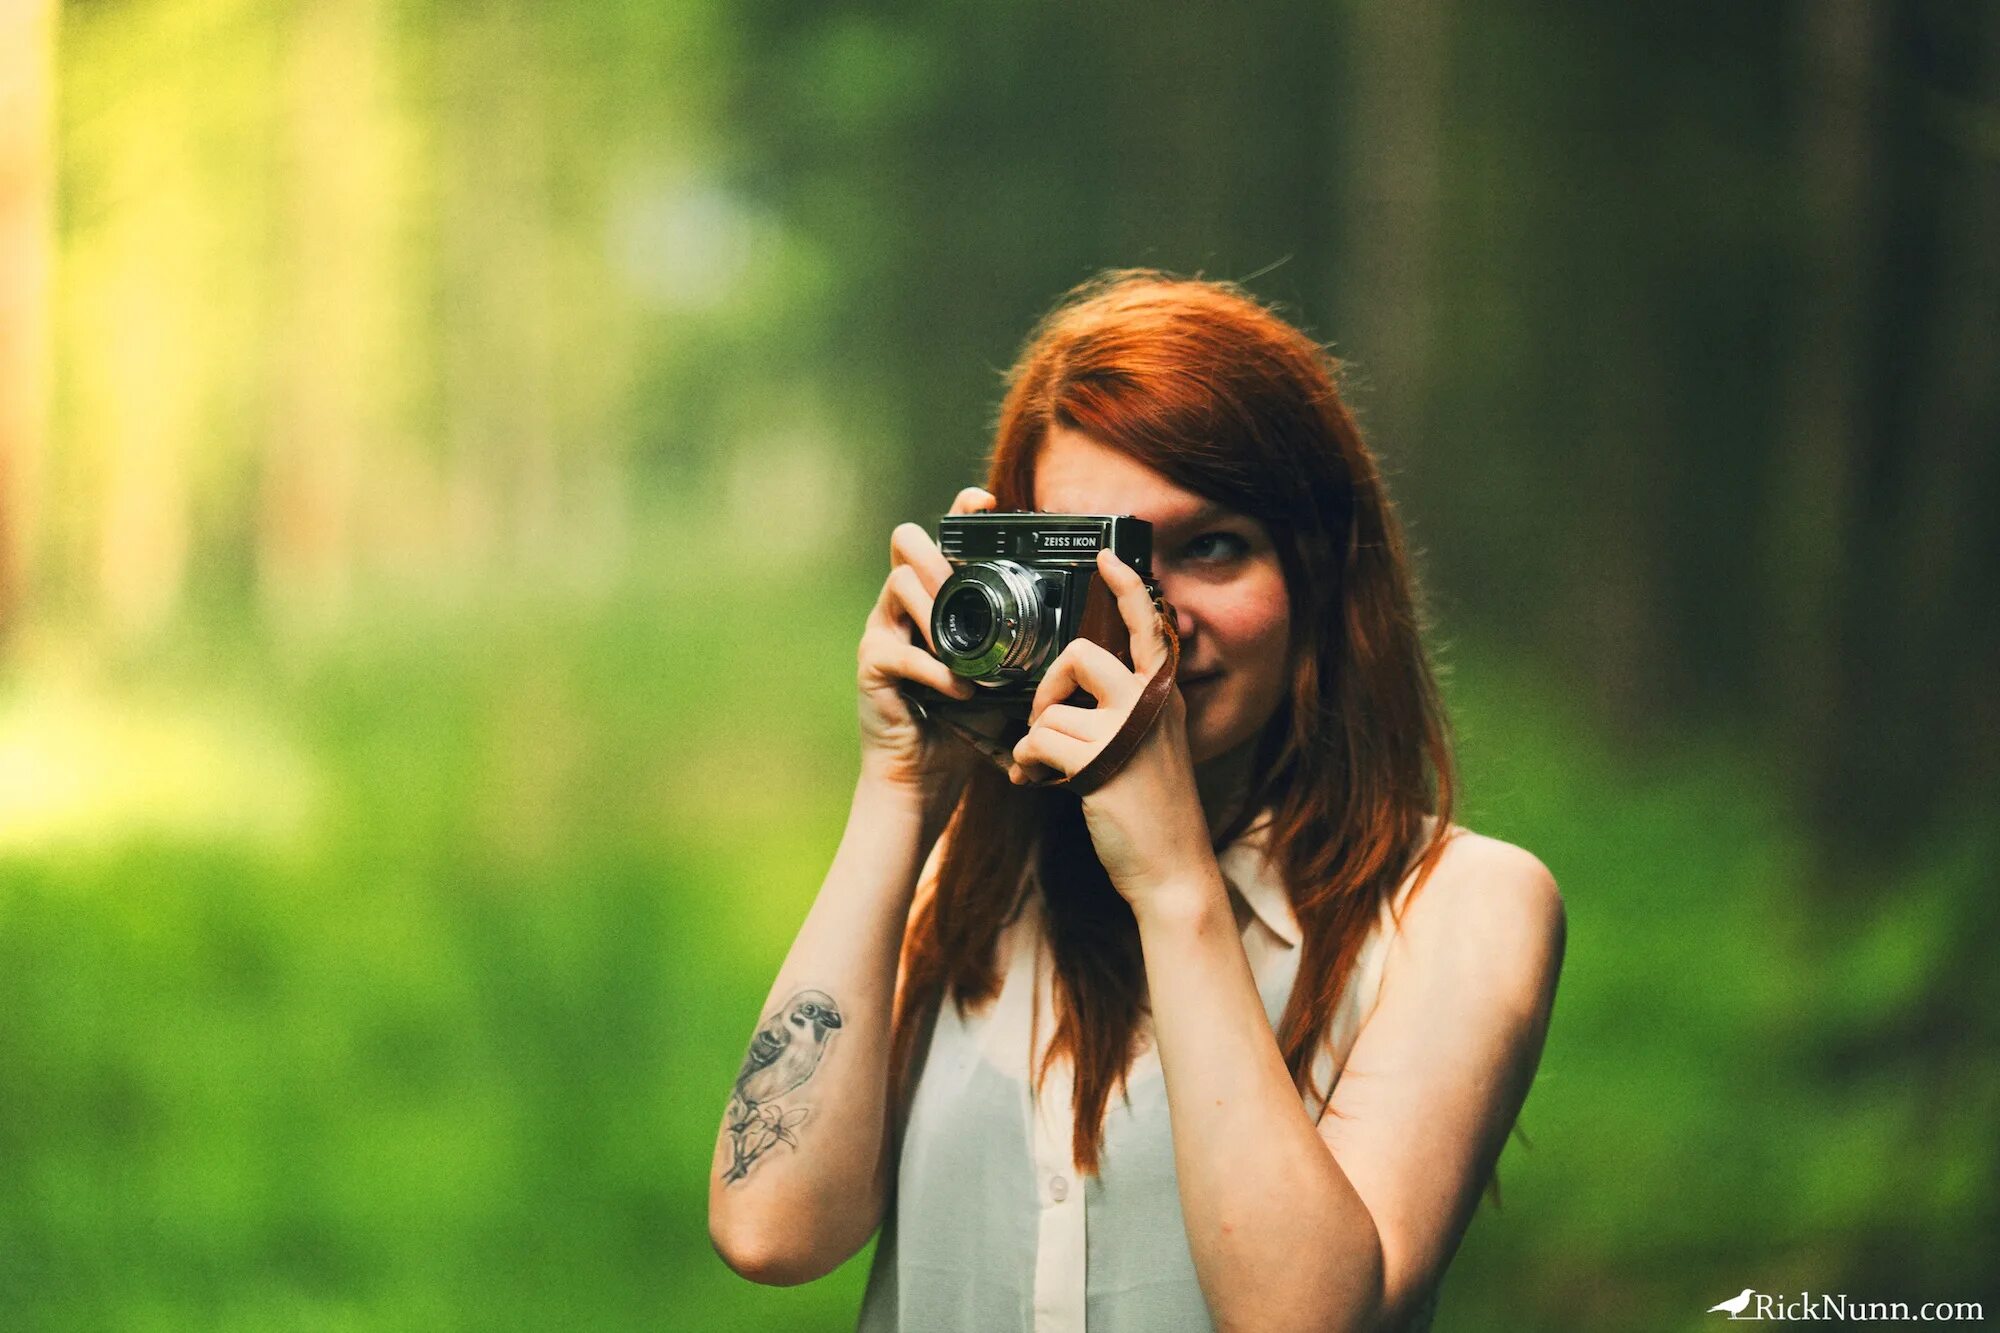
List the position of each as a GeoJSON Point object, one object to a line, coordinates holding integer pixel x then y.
{"type": "Point", "coordinates": [1319, 1002]}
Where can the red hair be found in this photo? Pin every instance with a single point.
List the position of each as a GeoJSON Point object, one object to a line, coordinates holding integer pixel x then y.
{"type": "Point", "coordinates": [1203, 384]}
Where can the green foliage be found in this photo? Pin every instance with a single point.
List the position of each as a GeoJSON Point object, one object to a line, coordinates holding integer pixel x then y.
{"type": "Point", "coordinates": [418, 742]}
{"type": "Point", "coordinates": [453, 1051]}
{"type": "Point", "coordinates": [1705, 1116]}
{"type": "Point", "coordinates": [451, 1048]}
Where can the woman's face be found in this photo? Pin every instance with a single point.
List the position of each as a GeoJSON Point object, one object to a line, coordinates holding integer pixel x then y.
{"type": "Point", "coordinates": [1217, 568]}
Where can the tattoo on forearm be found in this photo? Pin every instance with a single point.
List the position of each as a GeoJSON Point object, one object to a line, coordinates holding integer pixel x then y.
{"type": "Point", "coordinates": [783, 1055]}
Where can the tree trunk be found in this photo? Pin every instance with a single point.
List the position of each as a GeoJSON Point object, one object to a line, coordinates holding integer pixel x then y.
{"type": "Point", "coordinates": [27, 250]}
{"type": "Point", "coordinates": [337, 369]}
{"type": "Point", "coordinates": [1819, 444]}
{"type": "Point", "coordinates": [1392, 147]}
{"type": "Point", "coordinates": [1892, 479]}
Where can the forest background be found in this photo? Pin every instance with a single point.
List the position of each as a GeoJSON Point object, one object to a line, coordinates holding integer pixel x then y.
{"type": "Point", "coordinates": [447, 454]}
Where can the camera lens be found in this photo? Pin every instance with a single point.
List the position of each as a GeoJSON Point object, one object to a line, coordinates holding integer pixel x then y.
{"type": "Point", "coordinates": [965, 621]}
{"type": "Point", "coordinates": [990, 621]}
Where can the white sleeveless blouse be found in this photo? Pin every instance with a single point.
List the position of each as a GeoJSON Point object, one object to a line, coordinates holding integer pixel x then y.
{"type": "Point", "coordinates": [990, 1227]}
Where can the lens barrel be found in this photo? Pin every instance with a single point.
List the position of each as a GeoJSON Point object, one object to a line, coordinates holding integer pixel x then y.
{"type": "Point", "coordinates": [966, 620]}
{"type": "Point", "coordinates": [990, 618]}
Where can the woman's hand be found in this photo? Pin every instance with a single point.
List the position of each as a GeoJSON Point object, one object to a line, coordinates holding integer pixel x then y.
{"type": "Point", "coordinates": [897, 749]}
{"type": "Point", "coordinates": [1147, 822]}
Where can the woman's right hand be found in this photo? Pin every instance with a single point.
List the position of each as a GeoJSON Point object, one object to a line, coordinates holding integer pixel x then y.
{"type": "Point", "coordinates": [896, 748]}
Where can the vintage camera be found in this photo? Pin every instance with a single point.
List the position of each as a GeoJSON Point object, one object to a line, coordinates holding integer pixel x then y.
{"type": "Point", "coordinates": [1025, 585]}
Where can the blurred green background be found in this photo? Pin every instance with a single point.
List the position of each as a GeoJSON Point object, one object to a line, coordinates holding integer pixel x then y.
{"type": "Point", "coordinates": [448, 452]}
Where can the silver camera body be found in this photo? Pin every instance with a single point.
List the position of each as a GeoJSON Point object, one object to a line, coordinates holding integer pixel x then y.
{"type": "Point", "coordinates": [1024, 584]}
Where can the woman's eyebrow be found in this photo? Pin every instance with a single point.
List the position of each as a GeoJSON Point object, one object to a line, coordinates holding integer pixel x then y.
{"type": "Point", "coordinates": [1211, 512]}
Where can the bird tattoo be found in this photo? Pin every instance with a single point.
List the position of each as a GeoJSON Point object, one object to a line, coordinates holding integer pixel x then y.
{"type": "Point", "coordinates": [782, 1056]}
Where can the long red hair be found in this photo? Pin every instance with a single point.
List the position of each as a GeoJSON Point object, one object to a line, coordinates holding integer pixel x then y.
{"type": "Point", "coordinates": [1202, 383]}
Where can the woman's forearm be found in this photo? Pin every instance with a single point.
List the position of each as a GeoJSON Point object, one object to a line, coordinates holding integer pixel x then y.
{"type": "Point", "coordinates": [1279, 1237]}
{"type": "Point", "coordinates": [799, 1173]}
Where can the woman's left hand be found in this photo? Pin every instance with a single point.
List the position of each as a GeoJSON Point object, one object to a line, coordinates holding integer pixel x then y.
{"type": "Point", "coordinates": [1146, 822]}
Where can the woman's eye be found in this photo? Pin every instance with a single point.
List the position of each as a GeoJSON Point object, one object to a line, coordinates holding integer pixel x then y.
{"type": "Point", "coordinates": [1212, 546]}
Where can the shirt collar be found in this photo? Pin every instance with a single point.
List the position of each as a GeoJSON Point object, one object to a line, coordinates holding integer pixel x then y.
{"type": "Point", "coordinates": [1251, 876]}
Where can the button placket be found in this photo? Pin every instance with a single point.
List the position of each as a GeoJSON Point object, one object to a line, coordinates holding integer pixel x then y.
{"type": "Point", "coordinates": [1060, 1236]}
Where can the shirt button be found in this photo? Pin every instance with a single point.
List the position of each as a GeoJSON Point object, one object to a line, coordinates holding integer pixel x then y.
{"type": "Point", "coordinates": [1058, 1188]}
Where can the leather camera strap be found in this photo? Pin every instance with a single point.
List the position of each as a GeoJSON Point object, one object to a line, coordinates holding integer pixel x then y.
{"type": "Point", "coordinates": [957, 717]}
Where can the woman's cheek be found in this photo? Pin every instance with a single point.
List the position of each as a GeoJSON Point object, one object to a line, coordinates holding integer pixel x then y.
{"type": "Point", "coordinates": [1258, 618]}
{"type": "Point", "coordinates": [1249, 624]}
{"type": "Point", "coordinates": [1265, 640]}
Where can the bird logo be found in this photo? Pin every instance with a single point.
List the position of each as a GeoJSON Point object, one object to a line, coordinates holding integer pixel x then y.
{"type": "Point", "coordinates": [1735, 1305]}
{"type": "Point", "coordinates": [782, 1056]}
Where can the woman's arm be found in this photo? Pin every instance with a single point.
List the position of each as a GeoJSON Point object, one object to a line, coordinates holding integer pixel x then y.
{"type": "Point", "coordinates": [1344, 1225]}
{"type": "Point", "coordinates": [1292, 1225]}
{"type": "Point", "coordinates": [802, 1158]}
{"type": "Point", "coordinates": [1440, 1070]}
{"type": "Point", "coordinates": [801, 1165]}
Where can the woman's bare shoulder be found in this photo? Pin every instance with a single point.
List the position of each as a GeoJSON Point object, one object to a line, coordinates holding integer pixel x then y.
{"type": "Point", "coordinates": [1493, 900]}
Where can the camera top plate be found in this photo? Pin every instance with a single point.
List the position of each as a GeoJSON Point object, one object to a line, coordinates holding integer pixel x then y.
{"type": "Point", "coordinates": [1036, 538]}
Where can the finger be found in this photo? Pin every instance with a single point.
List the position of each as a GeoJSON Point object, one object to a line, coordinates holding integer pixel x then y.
{"type": "Point", "coordinates": [1091, 725]}
{"type": "Point", "coordinates": [892, 659]}
{"type": "Point", "coordinates": [1089, 666]}
{"type": "Point", "coordinates": [971, 500]}
{"type": "Point", "coordinates": [893, 609]}
{"type": "Point", "coordinates": [1065, 754]}
{"type": "Point", "coordinates": [1135, 606]}
{"type": "Point", "coordinates": [910, 545]}
{"type": "Point", "coordinates": [907, 593]}
{"type": "Point", "coordinates": [887, 611]}
{"type": "Point", "coordinates": [1018, 774]}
